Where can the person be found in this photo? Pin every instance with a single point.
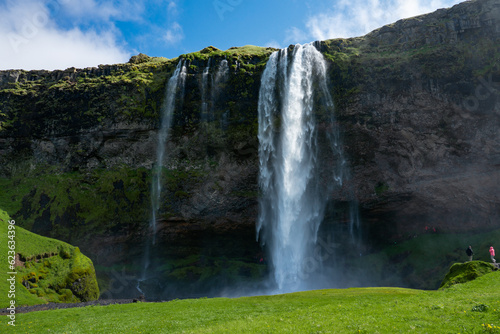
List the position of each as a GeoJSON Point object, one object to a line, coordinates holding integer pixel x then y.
{"type": "Point", "coordinates": [492, 254]}
{"type": "Point", "coordinates": [469, 252]}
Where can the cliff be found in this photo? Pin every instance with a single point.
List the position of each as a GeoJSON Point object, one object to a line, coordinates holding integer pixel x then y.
{"type": "Point", "coordinates": [417, 103]}
{"type": "Point", "coordinates": [422, 125]}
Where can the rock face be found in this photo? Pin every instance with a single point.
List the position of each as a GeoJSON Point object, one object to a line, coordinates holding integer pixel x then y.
{"type": "Point", "coordinates": [424, 122]}
{"type": "Point", "coordinates": [417, 101]}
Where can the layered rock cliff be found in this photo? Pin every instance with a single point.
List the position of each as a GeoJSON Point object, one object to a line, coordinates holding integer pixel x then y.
{"type": "Point", "coordinates": [422, 126]}
{"type": "Point", "coordinates": [417, 102]}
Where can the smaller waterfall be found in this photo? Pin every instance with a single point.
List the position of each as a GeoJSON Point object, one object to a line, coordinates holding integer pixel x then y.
{"type": "Point", "coordinates": [208, 101]}
{"type": "Point", "coordinates": [204, 89]}
{"type": "Point", "coordinates": [218, 81]}
{"type": "Point", "coordinates": [176, 81]}
{"type": "Point", "coordinates": [222, 72]}
{"type": "Point", "coordinates": [340, 177]}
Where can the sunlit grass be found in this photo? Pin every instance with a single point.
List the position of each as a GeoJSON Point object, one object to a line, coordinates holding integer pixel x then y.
{"type": "Point", "coordinates": [250, 49]}
{"type": "Point", "coordinates": [360, 310]}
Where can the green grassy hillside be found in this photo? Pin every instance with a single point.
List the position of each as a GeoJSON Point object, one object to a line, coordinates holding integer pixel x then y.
{"type": "Point", "coordinates": [465, 272]}
{"type": "Point", "coordinates": [473, 307]}
{"type": "Point", "coordinates": [50, 270]}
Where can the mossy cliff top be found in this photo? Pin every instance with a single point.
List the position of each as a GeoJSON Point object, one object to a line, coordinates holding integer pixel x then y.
{"type": "Point", "coordinates": [40, 104]}
{"type": "Point", "coordinates": [48, 270]}
{"type": "Point", "coordinates": [141, 63]}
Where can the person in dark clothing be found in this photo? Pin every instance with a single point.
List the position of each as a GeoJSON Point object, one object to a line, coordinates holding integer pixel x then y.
{"type": "Point", "coordinates": [469, 252]}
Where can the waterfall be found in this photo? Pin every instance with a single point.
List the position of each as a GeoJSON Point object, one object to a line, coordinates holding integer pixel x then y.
{"type": "Point", "coordinates": [176, 81]}
{"type": "Point", "coordinates": [341, 174]}
{"type": "Point", "coordinates": [220, 77]}
{"type": "Point", "coordinates": [219, 80]}
{"type": "Point", "coordinates": [294, 190]}
{"type": "Point", "coordinates": [221, 74]}
{"type": "Point", "coordinates": [204, 89]}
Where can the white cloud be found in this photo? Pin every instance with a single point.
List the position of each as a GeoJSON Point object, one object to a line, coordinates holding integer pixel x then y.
{"type": "Point", "coordinates": [31, 39]}
{"type": "Point", "coordinates": [351, 18]}
{"type": "Point", "coordinates": [104, 11]}
{"type": "Point", "coordinates": [295, 35]}
{"type": "Point", "coordinates": [89, 8]}
{"type": "Point", "coordinates": [174, 34]}
{"type": "Point", "coordinates": [173, 8]}
{"type": "Point", "coordinates": [273, 44]}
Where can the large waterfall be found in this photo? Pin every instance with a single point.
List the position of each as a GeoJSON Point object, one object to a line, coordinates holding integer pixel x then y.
{"type": "Point", "coordinates": [294, 188]}
{"type": "Point", "coordinates": [176, 81]}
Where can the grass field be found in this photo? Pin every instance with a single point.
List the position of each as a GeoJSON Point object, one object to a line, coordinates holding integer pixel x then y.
{"type": "Point", "coordinates": [473, 307]}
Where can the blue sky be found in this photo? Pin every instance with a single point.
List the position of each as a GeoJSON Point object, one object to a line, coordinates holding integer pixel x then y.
{"type": "Point", "coordinates": [57, 34]}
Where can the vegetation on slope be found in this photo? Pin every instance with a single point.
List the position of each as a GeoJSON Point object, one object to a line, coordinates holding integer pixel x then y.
{"type": "Point", "coordinates": [48, 270]}
{"type": "Point", "coordinates": [465, 272]}
{"type": "Point", "coordinates": [473, 307]}
{"type": "Point", "coordinates": [127, 91]}
{"type": "Point", "coordinates": [245, 55]}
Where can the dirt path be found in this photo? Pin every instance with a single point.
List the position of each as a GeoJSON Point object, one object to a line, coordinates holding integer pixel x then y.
{"type": "Point", "coordinates": [54, 306]}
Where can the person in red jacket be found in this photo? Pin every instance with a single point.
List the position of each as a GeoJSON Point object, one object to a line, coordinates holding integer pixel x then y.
{"type": "Point", "coordinates": [492, 253]}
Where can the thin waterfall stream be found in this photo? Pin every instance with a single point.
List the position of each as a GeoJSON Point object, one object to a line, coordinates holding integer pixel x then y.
{"type": "Point", "coordinates": [204, 88]}
{"type": "Point", "coordinates": [176, 81]}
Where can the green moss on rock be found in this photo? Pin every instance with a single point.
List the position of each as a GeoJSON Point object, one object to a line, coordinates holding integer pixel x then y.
{"type": "Point", "coordinates": [81, 279]}
{"type": "Point", "coordinates": [48, 201]}
{"type": "Point", "coordinates": [465, 272]}
{"type": "Point", "coordinates": [48, 270]}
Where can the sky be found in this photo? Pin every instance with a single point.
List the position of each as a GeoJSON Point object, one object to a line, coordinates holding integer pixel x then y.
{"type": "Point", "coordinates": [58, 34]}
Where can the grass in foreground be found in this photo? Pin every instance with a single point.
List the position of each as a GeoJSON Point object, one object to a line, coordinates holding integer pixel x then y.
{"type": "Point", "coordinates": [473, 307]}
